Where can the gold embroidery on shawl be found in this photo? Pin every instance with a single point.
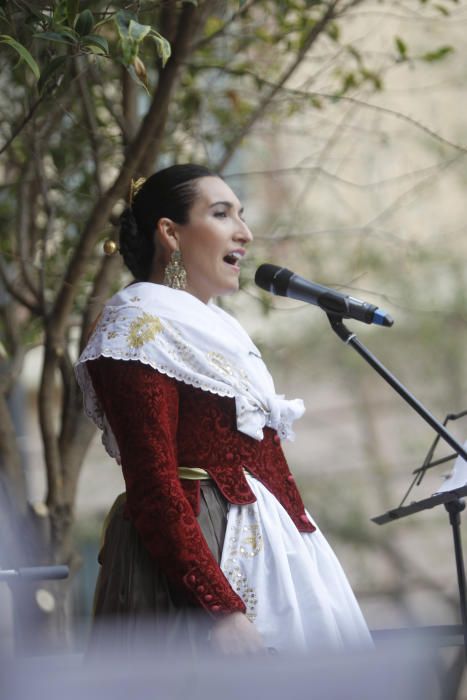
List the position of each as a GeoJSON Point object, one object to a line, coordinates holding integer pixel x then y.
{"type": "Point", "coordinates": [143, 329]}
{"type": "Point", "coordinates": [219, 361]}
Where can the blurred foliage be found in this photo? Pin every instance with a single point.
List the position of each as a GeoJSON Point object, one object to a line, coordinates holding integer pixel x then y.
{"type": "Point", "coordinates": [64, 129]}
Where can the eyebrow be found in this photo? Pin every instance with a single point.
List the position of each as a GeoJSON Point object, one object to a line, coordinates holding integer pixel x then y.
{"type": "Point", "coordinates": [227, 204]}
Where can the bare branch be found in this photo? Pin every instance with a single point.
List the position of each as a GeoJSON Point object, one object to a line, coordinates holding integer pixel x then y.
{"type": "Point", "coordinates": [14, 292]}
{"type": "Point", "coordinates": [75, 449]}
{"type": "Point", "coordinates": [318, 169]}
{"type": "Point", "coordinates": [391, 112]}
{"type": "Point", "coordinates": [109, 269]}
{"type": "Point", "coordinates": [222, 30]}
{"type": "Point", "coordinates": [308, 42]}
{"type": "Point", "coordinates": [17, 130]}
{"type": "Point", "coordinates": [376, 108]}
{"type": "Point", "coordinates": [50, 213]}
{"type": "Point", "coordinates": [401, 198]}
{"type": "Point", "coordinates": [129, 125]}
{"type": "Point", "coordinates": [90, 118]}
{"type": "Point", "coordinates": [68, 387]}
{"type": "Point", "coordinates": [358, 102]}
{"type": "Point", "coordinates": [46, 404]}
{"type": "Point", "coordinates": [14, 347]}
{"type": "Point", "coordinates": [168, 21]}
{"type": "Point", "coordinates": [24, 227]}
{"type": "Point", "coordinates": [10, 458]}
{"type": "Point", "coordinates": [189, 24]}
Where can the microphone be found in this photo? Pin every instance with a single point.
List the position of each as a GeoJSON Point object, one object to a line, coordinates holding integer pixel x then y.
{"type": "Point", "coordinates": [279, 280]}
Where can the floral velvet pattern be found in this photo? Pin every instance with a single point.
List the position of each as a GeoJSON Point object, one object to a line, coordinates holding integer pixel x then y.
{"type": "Point", "coordinates": [159, 424]}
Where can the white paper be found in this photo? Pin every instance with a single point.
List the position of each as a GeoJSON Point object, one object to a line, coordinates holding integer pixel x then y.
{"type": "Point", "coordinates": [458, 476]}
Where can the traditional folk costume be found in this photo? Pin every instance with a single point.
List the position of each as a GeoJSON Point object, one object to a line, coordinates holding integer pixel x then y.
{"type": "Point", "coordinates": [212, 519]}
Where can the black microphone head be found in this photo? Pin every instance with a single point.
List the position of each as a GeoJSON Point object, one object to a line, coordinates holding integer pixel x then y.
{"type": "Point", "coordinates": [265, 275]}
{"type": "Point", "coordinates": [273, 279]}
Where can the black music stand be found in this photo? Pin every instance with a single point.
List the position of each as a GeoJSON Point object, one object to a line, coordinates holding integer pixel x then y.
{"type": "Point", "coordinates": [452, 500]}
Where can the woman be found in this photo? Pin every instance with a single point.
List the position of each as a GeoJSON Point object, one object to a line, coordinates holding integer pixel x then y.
{"type": "Point", "coordinates": [212, 521]}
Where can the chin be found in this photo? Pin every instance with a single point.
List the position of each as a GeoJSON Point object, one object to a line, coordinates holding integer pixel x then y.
{"type": "Point", "coordinates": [228, 291]}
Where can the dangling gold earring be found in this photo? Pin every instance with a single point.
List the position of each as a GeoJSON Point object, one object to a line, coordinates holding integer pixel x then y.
{"type": "Point", "coordinates": [175, 273]}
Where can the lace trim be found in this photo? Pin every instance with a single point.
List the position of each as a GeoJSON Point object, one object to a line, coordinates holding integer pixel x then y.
{"type": "Point", "coordinates": [93, 408]}
{"type": "Point", "coordinates": [131, 333]}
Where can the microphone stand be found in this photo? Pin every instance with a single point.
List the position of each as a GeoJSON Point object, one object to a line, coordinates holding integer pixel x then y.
{"type": "Point", "coordinates": [452, 500]}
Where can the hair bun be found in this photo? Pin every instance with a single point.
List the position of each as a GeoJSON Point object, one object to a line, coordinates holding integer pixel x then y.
{"type": "Point", "coordinates": [134, 248]}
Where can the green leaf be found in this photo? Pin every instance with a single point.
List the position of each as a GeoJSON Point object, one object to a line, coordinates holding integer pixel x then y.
{"type": "Point", "coordinates": [137, 32]}
{"type": "Point", "coordinates": [355, 53]}
{"type": "Point", "coordinates": [132, 33]}
{"type": "Point", "coordinates": [23, 52]}
{"type": "Point", "coordinates": [72, 8]}
{"type": "Point", "coordinates": [59, 12]}
{"type": "Point", "coordinates": [372, 77]}
{"type": "Point", "coordinates": [162, 45]}
{"type": "Point", "coordinates": [122, 20]}
{"type": "Point", "coordinates": [84, 23]}
{"type": "Point", "coordinates": [349, 81]}
{"type": "Point", "coordinates": [401, 46]}
{"type": "Point", "coordinates": [96, 42]}
{"type": "Point", "coordinates": [263, 34]}
{"type": "Point", "coordinates": [49, 71]}
{"type": "Point", "coordinates": [69, 32]}
{"type": "Point", "coordinates": [59, 38]}
{"type": "Point", "coordinates": [213, 24]}
{"type": "Point", "coordinates": [333, 31]}
{"type": "Point", "coordinates": [437, 55]}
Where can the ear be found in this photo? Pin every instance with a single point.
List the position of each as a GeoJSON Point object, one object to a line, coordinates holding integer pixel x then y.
{"type": "Point", "coordinates": [167, 237]}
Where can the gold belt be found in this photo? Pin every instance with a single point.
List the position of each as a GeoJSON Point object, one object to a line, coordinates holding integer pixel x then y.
{"type": "Point", "coordinates": [193, 473]}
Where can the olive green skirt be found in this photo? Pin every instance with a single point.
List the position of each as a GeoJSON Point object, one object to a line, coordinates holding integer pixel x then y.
{"type": "Point", "coordinates": [135, 605]}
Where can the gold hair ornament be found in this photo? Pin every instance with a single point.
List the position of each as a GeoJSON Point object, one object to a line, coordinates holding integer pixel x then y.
{"type": "Point", "coordinates": [110, 247]}
{"type": "Point", "coordinates": [135, 186]}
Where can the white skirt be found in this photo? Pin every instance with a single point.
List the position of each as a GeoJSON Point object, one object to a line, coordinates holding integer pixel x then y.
{"type": "Point", "coordinates": [292, 584]}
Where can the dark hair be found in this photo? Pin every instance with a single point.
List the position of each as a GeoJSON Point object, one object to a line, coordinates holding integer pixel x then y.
{"type": "Point", "coordinates": [168, 193]}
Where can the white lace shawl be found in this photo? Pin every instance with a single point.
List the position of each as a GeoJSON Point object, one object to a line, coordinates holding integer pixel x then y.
{"type": "Point", "coordinates": [196, 343]}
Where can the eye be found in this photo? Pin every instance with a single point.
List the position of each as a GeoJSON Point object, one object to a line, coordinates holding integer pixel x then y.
{"type": "Point", "coordinates": [220, 214]}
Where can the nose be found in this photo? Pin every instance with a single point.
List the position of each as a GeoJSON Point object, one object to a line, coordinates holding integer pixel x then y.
{"type": "Point", "coordinates": [243, 233]}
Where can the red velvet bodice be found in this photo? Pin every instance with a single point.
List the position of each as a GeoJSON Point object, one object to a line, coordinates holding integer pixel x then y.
{"type": "Point", "coordinates": [159, 424]}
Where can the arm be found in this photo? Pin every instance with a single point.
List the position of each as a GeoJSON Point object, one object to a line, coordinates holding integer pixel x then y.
{"type": "Point", "coordinates": [141, 406]}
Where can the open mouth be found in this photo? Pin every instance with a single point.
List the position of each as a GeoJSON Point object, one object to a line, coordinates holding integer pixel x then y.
{"type": "Point", "coordinates": [233, 259]}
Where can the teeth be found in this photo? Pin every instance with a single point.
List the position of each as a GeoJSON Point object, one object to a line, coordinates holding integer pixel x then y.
{"type": "Point", "coordinates": [233, 258]}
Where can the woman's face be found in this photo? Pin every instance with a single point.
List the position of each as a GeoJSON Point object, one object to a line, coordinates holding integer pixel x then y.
{"type": "Point", "coordinates": [213, 241]}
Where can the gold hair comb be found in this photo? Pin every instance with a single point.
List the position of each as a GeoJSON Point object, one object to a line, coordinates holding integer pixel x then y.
{"type": "Point", "coordinates": [135, 186]}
